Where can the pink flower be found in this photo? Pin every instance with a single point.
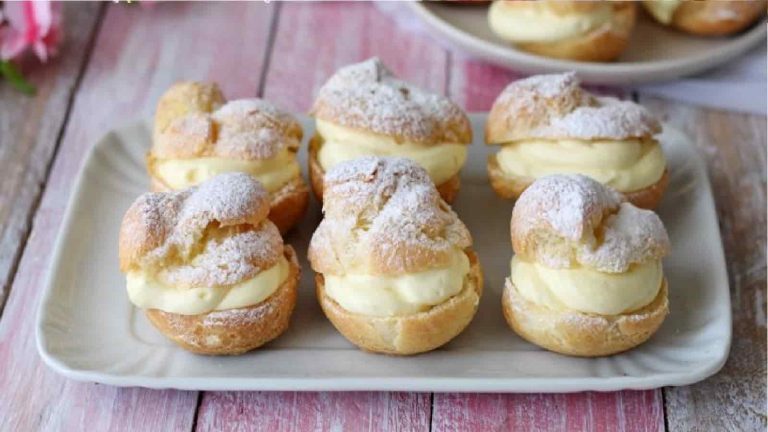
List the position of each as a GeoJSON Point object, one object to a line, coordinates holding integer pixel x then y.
{"type": "Point", "coordinates": [31, 24]}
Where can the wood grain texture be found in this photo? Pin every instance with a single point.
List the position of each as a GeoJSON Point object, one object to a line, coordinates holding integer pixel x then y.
{"type": "Point", "coordinates": [734, 146]}
{"type": "Point", "coordinates": [311, 42]}
{"type": "Point", "coordinates": [617, 411]}
{"type": "Point", "coordinates": [29, 132]}
{"type": "Point", "coordinates": [289, 411]}
{"type": "Point", "coordinates": [138, 53]}
{"type": "Point", "coordinates": [475, 85]}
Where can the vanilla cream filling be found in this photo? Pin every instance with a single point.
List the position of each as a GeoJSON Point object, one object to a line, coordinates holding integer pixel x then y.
{"type": "Point", "coordinates": [587, 290]}
{"type": "Point", "coordinates": [625, 166]}
{"type": "Point", "coordinates": [146, 291]}
{"type": "Point", "coordinates": [273, 173]}
{"type": "Point", "coordinates": [662, 10]}
{"type": "Point", "coordinates": [537, 23]}
{"type": "Point", "coordinates": [398, 295]}
{"type": "Point", "coordinates": [340, 144]}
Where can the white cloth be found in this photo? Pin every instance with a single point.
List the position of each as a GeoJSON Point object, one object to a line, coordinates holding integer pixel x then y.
{"type": "Point", "coordinates": [740, 85]}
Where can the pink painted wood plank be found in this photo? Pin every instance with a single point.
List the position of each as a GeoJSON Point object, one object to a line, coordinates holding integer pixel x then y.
{"type": "Point", "coordinates": [138, 53]}
{"type": "Point", "coordinates": [475, 85]}
{"type": "Point", "coordinates": [311, 42]}
{"type": "Point", "coordinates": [618, 411]}
{"type": "Point", "coordinates": [734, 146]}
{"type": "Point", "coordinates": [288, 411]}
{"type": "Point", "coordinates": [29, 129]}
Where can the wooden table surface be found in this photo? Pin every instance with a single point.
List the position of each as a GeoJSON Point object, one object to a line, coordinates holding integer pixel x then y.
{"type": "Point", "coordinates": [117, 61]}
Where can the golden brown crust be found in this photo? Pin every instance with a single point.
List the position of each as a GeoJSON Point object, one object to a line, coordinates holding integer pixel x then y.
{"type": "Point", "coordinates": [409, 334]}
{"type": "Point", "coordinates": [194, 120]}
{"type": "Point", "coordinates": [447, 190]}
{"type": "Point", "coordinates": [368, 97]}
{"type": "Point", "coordinates": [316, 172]}
{"type": "Point", "coordinates": [717, 18]}
{"type": "Point", "coordinates": [187, 97]}
{"type": "Point", "coordinates": [287, 205]}
{"type": "Point", "coordinates": [233, 331]}
{"type": "Point", "coordinates": [383, 216]}
{"type": "Point", "coordinates": [554, 106]}
{"type": "Point", "coordinates": [649, 197]}
{"type": "Point", "coordinates": [159, 221]}
{"type": "Point", "coordinates": [601, 44]}
{"type": "Point", "coordinates": [578, 334]}
{"type": "Point", "coordinates": [566, 220]}
{"type": "Point", "coordinates": [508, 187]}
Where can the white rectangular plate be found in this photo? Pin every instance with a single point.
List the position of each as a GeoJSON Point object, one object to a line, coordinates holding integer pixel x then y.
{"type": "Point", "coordinates": [88, 330]}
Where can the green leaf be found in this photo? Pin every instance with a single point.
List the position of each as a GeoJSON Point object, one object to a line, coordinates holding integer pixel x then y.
{"type": "Point", "coordinates": [9, 72]}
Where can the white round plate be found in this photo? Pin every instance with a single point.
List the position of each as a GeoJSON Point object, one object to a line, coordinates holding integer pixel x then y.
{"type": "Point", "coordinates": [654, 53]}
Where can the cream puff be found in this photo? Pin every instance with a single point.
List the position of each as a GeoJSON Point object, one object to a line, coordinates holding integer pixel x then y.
{"type": "Point", "coordinates": [573, 30]}
{"type": "Point", "coordinates": [363, 110]}
{"type": "Point", "coordinates": [586, 278]}
{"type": "Point", "coordinates": [547, 124]}
{"type": "Point", "coordinates": [198, 135]}
{"type": "Point", "coordinates": [395, 269]}
{"type": "Point", "coordinates": [208, 268]}
{"type": "Point", "coordinates": [706, 17]}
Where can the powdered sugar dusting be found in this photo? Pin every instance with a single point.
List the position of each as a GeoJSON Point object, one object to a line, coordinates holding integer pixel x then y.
{"type": "Point", "coordinates": [610, 118]}
{"type": "Point", "coordinates": [215, 234]}
{"type": "Point", "coordinates": [555, 106]}
{"type": "Point", "coordinates": [251, 129]}
{"type": "Point", "coordinates": [255, 128]}
{"type": "Point", "coordinates": [630, 236]}
{"type": "Point", "coordinates": [228, 260]}
{"type": "Point", "coordinates": [566, 203]}
{"type": "Point", "coordinates": [596, 228]}
{"type": "Point", "coordinates": [367, 96]}
{"type": "Point", "coordinates": [380, 213]}
{"type": "Point", "coordinates": [239, 317]}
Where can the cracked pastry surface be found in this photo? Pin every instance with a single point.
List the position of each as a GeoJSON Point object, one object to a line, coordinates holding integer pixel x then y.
{"type": "Point", "coordinates": [574, 30]}
{"type": "Point", "coordinates": [364, 110]}
{"type": "Point", "coordinates": [208, 267]}
{"type": "Point", "coordinates": [547, 124]}
{"type": "Point", "coordinates": [198, 135]}
{"type": "Point", "coordinates": [586, 278]}
{"type": "Point", "coordinates": [395, 269]}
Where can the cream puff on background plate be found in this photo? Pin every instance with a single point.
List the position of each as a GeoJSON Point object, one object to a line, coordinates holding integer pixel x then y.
{"type": "Point", "coordinates": [706, 17]}
{"type": "Point", "coordinates": [606, 42]}
{"type": "Point", "coordinates": [572, 30]}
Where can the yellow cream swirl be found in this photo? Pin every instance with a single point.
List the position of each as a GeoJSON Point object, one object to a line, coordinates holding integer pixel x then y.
{"type": "Point", "coordinates": [625, 166]}
{"type": "Point", "coordinates": [146, 291]}
{"type": "Point", "coordinates": [586, 290]}
{"type": "Point", "coordinates": [536, 22]}
{"type": "Point", "coordinates": [398, 295]}
{"type": "Point", "coordinates": [273, 173]}
{"type": "Point", "coordinates": [341, 144]}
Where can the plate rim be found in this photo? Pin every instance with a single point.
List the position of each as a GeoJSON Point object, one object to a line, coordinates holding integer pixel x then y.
{"type": "Point", "coordinates": [591, 72]}
{"type": "Point", "coordinates": [517, 384]}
